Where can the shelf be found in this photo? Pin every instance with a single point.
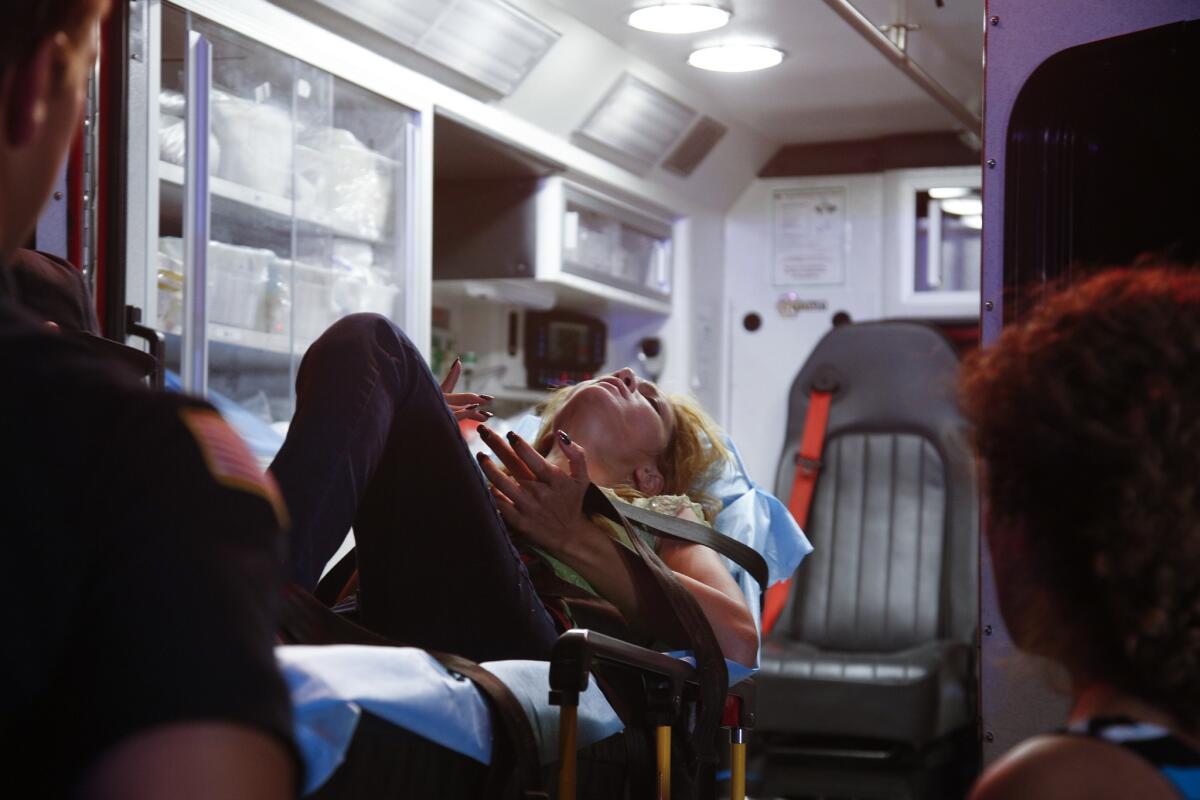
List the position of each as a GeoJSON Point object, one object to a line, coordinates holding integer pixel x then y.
{"type": "Point", "coordinates": [171, 175]}
{"type": "Point", "coordinates": [250, 344]}
{"type": "Point", "coordinates": [575, 290]}
{"type": "Point", "coordinates": [244, 337]}
{"type": "Point", "coordinates": [559, 291]}
{"type": "Point", "coordinates": [235, 349]}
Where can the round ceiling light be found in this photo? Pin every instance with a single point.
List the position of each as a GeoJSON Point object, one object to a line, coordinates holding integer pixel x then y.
{"type": "Point", "coordinates": [949, 192]}
{"type": "Point", "coordinates": [735, 57]}
{"type": "Point", "coordinates": [689, 16]}
{"type": "Point", "coordinates": [963, 206]}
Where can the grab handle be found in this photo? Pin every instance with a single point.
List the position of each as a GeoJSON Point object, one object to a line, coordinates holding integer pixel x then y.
{"type": "Point", "coordinates": [196, 217]}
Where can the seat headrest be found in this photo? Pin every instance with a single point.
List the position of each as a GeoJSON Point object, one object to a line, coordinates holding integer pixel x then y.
{"type": "Point", "coordinates": [884, 375]}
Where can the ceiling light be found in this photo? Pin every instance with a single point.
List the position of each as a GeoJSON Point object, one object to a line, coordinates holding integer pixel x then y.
{"type": "Point", "coordinates": [963, 206]}
{"type": "Point", "coordinates": [944, 192]}
{"type": "Point", "coordinates": [682, 16]}
{"type": "Point", "coordinates": [975, 222]}
{"type": "Point", "coordinates": [735, 58]}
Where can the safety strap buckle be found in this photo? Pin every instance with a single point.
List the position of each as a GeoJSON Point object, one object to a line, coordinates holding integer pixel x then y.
{"type": "Point", "coordinates": [809, 466]}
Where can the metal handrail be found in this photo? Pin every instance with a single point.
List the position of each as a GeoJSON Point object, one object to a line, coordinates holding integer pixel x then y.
{"type": "Point", "coordinates": [880, 41]}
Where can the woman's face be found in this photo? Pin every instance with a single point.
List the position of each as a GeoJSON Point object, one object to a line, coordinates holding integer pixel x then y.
{"type": "Point", "coordinates": [623, 423]}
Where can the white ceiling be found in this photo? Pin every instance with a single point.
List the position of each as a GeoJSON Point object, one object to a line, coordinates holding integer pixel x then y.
{"type": "Point", "coordinates": [833, 85]}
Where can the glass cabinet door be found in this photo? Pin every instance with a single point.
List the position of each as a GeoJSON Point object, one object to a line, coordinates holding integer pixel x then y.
{"type": "Point", "coordinates": [610, 244]}
{"type": "Point", "coordinates": [947, 254]}
{"type": "Point", "coordinates": [305, 188]}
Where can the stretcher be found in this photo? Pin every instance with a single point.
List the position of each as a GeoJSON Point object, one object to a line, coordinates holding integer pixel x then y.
{"type": "Point", "coordinates": [652, 732]}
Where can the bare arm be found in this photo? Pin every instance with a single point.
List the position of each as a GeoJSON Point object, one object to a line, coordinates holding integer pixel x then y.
{"type": "Point", "coordinates": [704, 574]}
{"type": "Point", "coordinates": [194, 761]}
{"type": "Point", "coordinates": [608, 567]}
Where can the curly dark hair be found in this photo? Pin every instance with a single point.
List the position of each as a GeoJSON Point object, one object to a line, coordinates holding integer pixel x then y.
{"type": "Point", "coordinates": [1087, 418]}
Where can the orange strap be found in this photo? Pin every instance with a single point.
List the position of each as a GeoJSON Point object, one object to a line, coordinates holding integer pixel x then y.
{"type": "Point", "coordinates": [808, 466]}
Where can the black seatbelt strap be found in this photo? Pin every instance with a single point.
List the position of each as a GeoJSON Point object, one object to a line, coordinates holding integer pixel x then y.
{"type": "Point", "coordinates": [667, 526]}
{"type": "Point", "coordinates": [710, 662]}
{"type": "Point", "coordinates": [337, 582]}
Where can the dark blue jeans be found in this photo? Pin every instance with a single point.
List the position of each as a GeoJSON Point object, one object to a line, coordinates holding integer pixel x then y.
{"type": "Point", "coordinates": [373, 445]}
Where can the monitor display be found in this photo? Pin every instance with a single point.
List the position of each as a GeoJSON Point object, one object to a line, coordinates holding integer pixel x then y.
{"type": "Point", "coordinates": [569, 342]}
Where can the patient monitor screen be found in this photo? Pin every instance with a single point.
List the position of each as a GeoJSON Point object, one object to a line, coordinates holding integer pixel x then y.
{"type": "Point", "coordinates": [568, 343]}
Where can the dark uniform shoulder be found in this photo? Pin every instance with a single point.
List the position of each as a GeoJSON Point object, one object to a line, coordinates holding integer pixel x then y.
{"type": "Point", "coordinates": [189, 457]}
{"type": "Point", "coordinates": [145, 546]}
{"type": "Point", "coordinates": [86, 416]}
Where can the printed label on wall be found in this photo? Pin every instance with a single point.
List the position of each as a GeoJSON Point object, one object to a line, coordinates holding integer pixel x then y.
{"type": "Point", "coordinates": [809, 237]}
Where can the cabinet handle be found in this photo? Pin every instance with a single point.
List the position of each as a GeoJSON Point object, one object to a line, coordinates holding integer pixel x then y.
{"type": "Point", "coordinates": [154, 339]}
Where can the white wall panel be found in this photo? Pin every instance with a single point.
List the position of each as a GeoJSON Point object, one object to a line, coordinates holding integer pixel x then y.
{"type": "Point", "coordinates": [762, 364]}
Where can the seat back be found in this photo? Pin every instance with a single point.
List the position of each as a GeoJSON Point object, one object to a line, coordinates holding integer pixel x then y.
{"type": "Point", "coordinates": [894, 517]}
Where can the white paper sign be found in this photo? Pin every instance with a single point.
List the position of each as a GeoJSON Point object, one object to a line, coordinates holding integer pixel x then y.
{"type": "Point", "coordinates": [809, 237]}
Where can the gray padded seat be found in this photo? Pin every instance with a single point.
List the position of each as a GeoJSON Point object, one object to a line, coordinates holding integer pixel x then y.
{"type": "Point", "coordinates": [877, 639]}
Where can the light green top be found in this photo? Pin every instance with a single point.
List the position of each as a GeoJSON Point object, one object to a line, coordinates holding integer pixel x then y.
{"type": "Point", "coordinates": [669, 504]}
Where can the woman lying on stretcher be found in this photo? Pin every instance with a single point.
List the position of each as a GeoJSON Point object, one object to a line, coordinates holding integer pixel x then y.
{"type": "Point", "coordinates": [374, 444]}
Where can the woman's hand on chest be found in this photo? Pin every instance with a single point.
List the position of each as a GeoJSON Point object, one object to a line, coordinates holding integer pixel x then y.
{"type": "Point", "coordinates": [540, 500]}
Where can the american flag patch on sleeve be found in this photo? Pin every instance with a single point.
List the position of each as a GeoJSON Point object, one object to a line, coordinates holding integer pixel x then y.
{"type": "Point", "coordinates": [229, 460]}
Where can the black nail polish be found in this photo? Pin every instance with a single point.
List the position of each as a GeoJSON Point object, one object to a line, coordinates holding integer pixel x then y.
{"type": "Point", "coordinates": [511, 436]}
{"type": "Point", "coordinates": [487, 414]}
{"type": "Point", "coordinates": [481, 456]}
{"type": "Point", "coordinates": [487, 397]}
{"type": "Point", "coordinates": [484, 430]}
{"type": "Point", "coordinates": [562, 437]}
{"type": "Point", "coordinates": [473, 406]}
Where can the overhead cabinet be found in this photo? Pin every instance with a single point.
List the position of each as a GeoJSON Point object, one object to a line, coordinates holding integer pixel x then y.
{"type": "Point", "coordinates": [587, 249]}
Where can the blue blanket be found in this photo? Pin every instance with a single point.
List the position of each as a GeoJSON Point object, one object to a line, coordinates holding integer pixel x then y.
{"type": "Point", "coordinates": [331, 686]}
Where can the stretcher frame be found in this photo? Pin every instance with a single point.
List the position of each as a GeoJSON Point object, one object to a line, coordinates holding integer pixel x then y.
{"type": "Point", "coordinates": [571, 662]}
{"type": "Point", "coordinates": [673, 684]}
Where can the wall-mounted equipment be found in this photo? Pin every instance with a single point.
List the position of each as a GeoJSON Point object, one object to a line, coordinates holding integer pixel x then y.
{"type": "Point", "coordinates": [562, 348]}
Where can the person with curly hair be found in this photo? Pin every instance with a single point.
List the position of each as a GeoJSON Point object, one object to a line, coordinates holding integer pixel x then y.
{"type": "Point", "coordinates": [1085, 416]}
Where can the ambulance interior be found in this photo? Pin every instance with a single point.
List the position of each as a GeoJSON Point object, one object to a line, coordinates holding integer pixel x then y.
{"type": "Point", "coordinates": [547, 192]}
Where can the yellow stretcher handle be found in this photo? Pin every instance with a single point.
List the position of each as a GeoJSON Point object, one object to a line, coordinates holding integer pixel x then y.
{"type": "Point", "coordinates": [737, 766]}
{"type": "Point", "coordinates": [568, 717]}
{"type": "Point", "coordinates": [662, 740]}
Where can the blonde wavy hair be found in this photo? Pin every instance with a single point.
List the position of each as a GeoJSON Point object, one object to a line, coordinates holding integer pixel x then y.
{"type": "Point", "coordinates": [693, 457]}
